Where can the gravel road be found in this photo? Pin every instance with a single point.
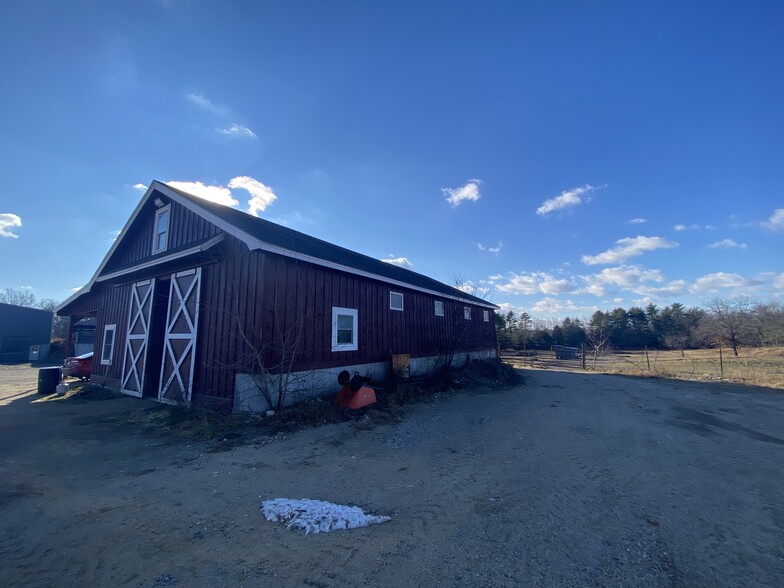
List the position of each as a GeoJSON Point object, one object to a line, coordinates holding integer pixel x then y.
{"type": "Point", "coordinates": [570, 480]}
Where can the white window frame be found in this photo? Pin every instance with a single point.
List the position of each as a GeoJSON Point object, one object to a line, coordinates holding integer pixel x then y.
{"type": "Point", "coordinates": [402, 301]}
{"type": "Point", "coordinates": [486, 316]}
{"type": "Point", "coordinates": [354, 345]}
{"type": "Point", "coordinates": [439, 306]}
{"type": "Point", "coordinates": [108, 360]}
{"type": "Point", "coordinates": [155, 232]}
{"type": "Point", "coordinates": [467, 313]}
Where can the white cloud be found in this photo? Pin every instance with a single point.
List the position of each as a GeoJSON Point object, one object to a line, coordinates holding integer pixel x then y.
{"type": "Point", "coordinates": [205, 104]}
{"type": "Point", "coordinates": [713, 283]}
{"type": "Point", "coordinates": [638, 221]}
{"type": "Point", "coordinates": [401, 261]}
{"type": "Point", "coordinates": [673, 289]}
{"type": "Point", "coordinates": [236, 130]}
{"type": "Point", "coordinates": [566, 199]}
{"type": "Point", "coordinates": [536, 283]}
{"type": "Point", "coordinates": [627, 277]}
{"type": "Point", "coordinates": [711, 227]}
{"type": "Point", "coordinates": [470, 191]}
{"type": "Point", "coordinates": [680, 227]}
{"type": "Point", "coordinates": [261, 195]}
{"type": "Point", "coordinates": [494, 250]}
{"type": "Point", "coordinates": [628, 247]}
{"type": "Point", "coordinates": [778, 282]}
{"type": "Point", "coordinates": [776, 221]}
{"type": "Point", "coordinates": [8, 222]}
{"type": "Point", "coordinates": [140, 186]}
{"type": "Point", "coordinates": [554, 307]}
{"type": "Point", "coordinates": [217, 194]}
{"type": "Point", "coordinates": [727, 244]}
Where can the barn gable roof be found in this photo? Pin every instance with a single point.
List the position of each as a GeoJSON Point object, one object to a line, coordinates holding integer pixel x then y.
{"type": "Point", "coordinates": [262, 234]}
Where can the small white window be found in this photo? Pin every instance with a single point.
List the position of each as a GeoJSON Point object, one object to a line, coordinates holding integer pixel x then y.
{"type": "Point", "coordinates": [395, 301]}
{"type": "Point", "coordinates": [107, 351]}
{"type": "Point", "coordinates": [439, 308]}
{"type": "Point", "coordinates": [467, 313]}
{"type": "Point", "coordinates": [344, 329]}
{"type": "Point", "coordinates": [486, 315]}
{"type": "Point", "coordinates": [160, 238]}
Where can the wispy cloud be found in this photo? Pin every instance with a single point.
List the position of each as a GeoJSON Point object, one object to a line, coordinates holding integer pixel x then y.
{"type": "Point", "coordinates": [231, 129]}
{"type": "Point", "coordinates": [528, 283]}
{"type": "Point", "coordinates": [566, 199]}
{"type": "Point", "coordinates": [638, 221]}
{"type": "Point", "coordinates": [217, 194]}
{"type": "Point", "coordinates": [140, 186]}
{"type": "Point", "coordinates": [494, 250]}
{"type": "Point", "coordinates": [776, 221]}
{"type": "Point", "coordinates": [469, 192]}
{"type": "Point", "coordinates": [205, 104]}
{"type": "Point", "coordinates": [401, 261]}
{"type": "Point", "coordinates": [9, 222]}
{"type": "Point", "coordinates": [236, 130]}
{"type": "Point", "coordinates": [680, 227]}
{"type": "Point", "coordinates": [628, 247]}
{"type": "Point", "coordinates": [727, 244]}
{"type": "Point", "coordinates": [550, 306]}
{"type": "Point", "coordinates": [718, 281]}
{"type": "Point", "coordinates": [261, 195]}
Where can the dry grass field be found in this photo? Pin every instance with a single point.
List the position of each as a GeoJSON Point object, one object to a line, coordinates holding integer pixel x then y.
{"type": "Point", "coordinates": [753, 366]}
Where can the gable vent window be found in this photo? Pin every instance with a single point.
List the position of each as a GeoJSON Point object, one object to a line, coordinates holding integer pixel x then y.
{"type": "Point", "coordinates": [160, 238]}
{"type": "Point", "coordinates": [486, 315]}
{"type": "Point", "coordinates": [467, 313]}
{"type": "Point", "coordinates": [395, 301]}
{"type": "Point", "coordinates": [345, 329]}
{"type": "Point", "coordinates": [439, 308]}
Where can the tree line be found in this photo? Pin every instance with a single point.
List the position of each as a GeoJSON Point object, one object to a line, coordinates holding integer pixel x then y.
{"type": "Point", "coordinates": [722, 322]}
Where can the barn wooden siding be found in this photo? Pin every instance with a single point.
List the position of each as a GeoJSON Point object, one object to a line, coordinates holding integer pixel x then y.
{"type": "Point", "coordinates": [185, 227]}
{"type": "Point", "coordinates": [252, 300]}
{"type": "Point", "coordinates": [112, 310]}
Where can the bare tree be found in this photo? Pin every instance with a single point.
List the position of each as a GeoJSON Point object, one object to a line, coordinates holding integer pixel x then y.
{"type": "Point", "coordinates": [731, 320]}
{"type": "Point", "coordinates": [18, 296]}
{"type": "Point", "coordinates": [598, 331]}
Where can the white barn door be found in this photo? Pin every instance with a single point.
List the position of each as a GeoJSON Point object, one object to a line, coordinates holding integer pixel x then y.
{"type": "Point", "coordinates": [135, 355]}
{"type": "Point", "coordinates": [179, 345]}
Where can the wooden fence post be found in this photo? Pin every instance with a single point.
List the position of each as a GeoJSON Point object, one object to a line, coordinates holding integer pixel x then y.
{"type": "Point", "coordinates": [582, 354]}
{"type": "Point", "coordinates": [648, 359]}
{"type": "Point", "coordinates": [721, 363]}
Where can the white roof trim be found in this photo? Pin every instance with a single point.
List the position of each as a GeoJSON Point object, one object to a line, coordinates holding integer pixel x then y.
{"type": "Point", "coordinates": [163, 259]}
{"type": "Point", "coordinates": [252, 243]}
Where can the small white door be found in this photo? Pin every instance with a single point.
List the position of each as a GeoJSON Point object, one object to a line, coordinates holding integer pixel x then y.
{"type": "Point", "coordinates": [135, 356]}
{"type": "Point", "coordinates": [179, 346]}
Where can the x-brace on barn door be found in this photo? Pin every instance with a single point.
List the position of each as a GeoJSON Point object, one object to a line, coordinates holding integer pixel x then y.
{"type": "Point", "coordinates": [179, 346]}
{"type": "Point", "coordinates": [135, 355]}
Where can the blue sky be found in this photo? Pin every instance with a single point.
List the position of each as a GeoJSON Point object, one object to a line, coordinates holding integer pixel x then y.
{"type": "Point", "coordinates": [567, 156]}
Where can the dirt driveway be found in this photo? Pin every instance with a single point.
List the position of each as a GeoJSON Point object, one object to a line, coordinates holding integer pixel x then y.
{"type": "Point", "coordinates": [571, 480]}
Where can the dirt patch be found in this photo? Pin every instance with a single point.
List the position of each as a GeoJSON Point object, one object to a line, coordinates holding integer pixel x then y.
{"type": "Point", "coordinates": [573, 479]}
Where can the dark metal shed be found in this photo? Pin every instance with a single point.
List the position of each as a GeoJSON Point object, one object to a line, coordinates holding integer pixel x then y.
{"type": "Point", "coordinates": [21, 327]}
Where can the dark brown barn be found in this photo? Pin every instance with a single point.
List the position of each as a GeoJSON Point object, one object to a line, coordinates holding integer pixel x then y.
{"type": "Point", "coordinates": [198, 302]}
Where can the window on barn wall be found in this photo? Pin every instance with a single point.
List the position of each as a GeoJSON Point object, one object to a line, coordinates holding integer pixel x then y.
{"type": "Point", "coordinates": [160, 238]}
{"type": "Point", "coordinates": [486, 315]}
{"type": "Point", "coordinates": [439, 308]}
{"type": "Point", "coordinates": [467, 313]}
{"type": "Point", "coordinates": [344, 329]}
{"type": "Point", "coordinates": [107, 351]}
{"type": "Point", "coordinates": [395, 301]}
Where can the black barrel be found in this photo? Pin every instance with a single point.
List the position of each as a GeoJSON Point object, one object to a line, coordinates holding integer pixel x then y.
{"type": "Point", "coordinates": [48, 378]}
